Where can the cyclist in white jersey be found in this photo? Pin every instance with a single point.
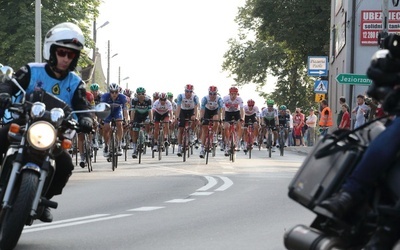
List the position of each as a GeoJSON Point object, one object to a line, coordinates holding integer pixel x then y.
{"type": "Point", "coordinates": [251, 113]}
{"type": "Point", "coordinates": [162, 111]}
{"type": "Point", "coordinates": [188, 103]}
{"type": "Point", "coordinates": [233, 110]}
{"type": "Point", "coordinates": [172, 125]}
{"type": "Point", "coordinates": [211, 106]}
{"type": "Point", "coordinates": [269, 117]}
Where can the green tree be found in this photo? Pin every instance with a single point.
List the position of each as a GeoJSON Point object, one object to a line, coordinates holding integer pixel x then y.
{"type": "Point", "coordinates": [17, 29]}
{"type": "Point", "coordinates": [275, 38]}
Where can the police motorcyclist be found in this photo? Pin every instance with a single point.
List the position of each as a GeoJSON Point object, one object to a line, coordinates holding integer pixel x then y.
{"type": "Point", "coordinates": [61, 50]}
{"type": "Point", "coordinates": [381, 153]}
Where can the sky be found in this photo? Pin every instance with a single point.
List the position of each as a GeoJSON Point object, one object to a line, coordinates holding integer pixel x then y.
{"type": "Point", "coordinates": [163, 45]}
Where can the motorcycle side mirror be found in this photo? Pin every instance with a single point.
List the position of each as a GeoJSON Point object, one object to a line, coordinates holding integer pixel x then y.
{"type": "Point", "coordinates": [102, 110]}
{"type": "Point", "coordinates": [6, 73]}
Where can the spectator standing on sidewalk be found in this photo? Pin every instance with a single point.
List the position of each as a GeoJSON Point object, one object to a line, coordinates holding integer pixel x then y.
{"type": "Point", "coordinates": [325, 120]}
{"type": "Point", "coordinates": [361, 111]}
{"type": "Point", "coordinates": [342, 101]}
{"type": "Point", "coordinates": [298, 123]}
{"type": "Point", "coordinates": [311, 122]}
{"type": "Point", "coordinates": [345, 122]}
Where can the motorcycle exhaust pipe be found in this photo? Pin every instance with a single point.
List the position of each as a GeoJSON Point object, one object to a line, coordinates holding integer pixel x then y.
{"type": "Point", "coordinates": [302, 237]}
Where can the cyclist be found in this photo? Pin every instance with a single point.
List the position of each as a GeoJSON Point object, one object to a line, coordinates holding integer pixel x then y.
{"type": "Point", "coordinates": [187, 109]}
{"type": "Point", "coordinates": [269, 117]}
{"type": "Point", "coordinates": [119, 112]}
{"type": "Point", "coordinates": [210, 108]}
{"type": "Point", "coordinates": [233, 110]}
{"type": "Point", "coordinates": [162, 111]}
{"type": "Point", "coordinates": [81, 136]}
{"type": "Point", "coordinates": [251, 112]}
{"type": "Point", "coordinates": [140, 112]}
{"type": "Point", "coordinates": [128, 93]}
{"type": "Point", "coordinates": [156, 96]}
{"type": "Point", "coordinates": [172, 125]}
{"type": "Point", "coordinates": [284, 121]}
{"type": "Point", "coordinates": [95, 90]}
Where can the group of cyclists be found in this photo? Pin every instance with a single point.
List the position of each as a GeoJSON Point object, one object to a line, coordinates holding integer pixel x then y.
{"type": "Point", "coordinates": [134, 111]}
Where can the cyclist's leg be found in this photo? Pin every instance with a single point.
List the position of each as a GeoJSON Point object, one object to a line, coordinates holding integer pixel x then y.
{"type": "Point", "coordinates": [81, 140]}
{"type": "Point", "coordinates": [106, 134]}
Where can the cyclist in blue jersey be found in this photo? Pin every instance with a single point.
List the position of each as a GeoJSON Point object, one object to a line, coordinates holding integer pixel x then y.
{"type": "Point", "coordinates": [119, 112]}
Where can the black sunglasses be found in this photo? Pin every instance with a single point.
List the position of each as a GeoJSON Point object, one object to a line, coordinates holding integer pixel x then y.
{"type": "Point", "coordinates": [114, 92]}
{"type": "Point", "coordinates": [63, 53]}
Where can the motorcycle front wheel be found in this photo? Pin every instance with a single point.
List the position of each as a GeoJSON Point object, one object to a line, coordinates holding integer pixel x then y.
{"type": "Point", "coordinates": [14, 217]}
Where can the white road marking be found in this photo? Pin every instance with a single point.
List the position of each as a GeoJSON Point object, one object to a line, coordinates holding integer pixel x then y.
{"type": "Point", "coordinates": [211, 183]}
{"type": "Point", "coordinates": [67, 221]}
{"type": "Point", "coordinates": [179, 200]}
{"type": "Point", "coordinates": [144, 209]}
{"type": "Point", "coordinates": [202, 193]}
{"type": "Point", "coordinates": [53, 226]}
{"type": "Point", "coordinates": [227, 184]}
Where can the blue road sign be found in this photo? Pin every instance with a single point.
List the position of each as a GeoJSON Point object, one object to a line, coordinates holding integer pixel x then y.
{"type": "Point", "coordinates": [317, 66]}
{"type": "Point", "coordinates": [321, 86]}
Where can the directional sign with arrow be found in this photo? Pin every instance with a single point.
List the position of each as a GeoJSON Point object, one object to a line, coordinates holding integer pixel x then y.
{"type": "Point", "coordinates": [317, 66]}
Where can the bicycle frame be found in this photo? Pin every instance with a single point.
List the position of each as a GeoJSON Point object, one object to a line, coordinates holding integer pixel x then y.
{"type": "Point", "coordinates": [209, 144]}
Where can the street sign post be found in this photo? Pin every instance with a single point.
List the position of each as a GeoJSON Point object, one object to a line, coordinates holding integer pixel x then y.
{"type": "Point", "coordinates": [321, 86]}
{"type": "Point", "coordinates": [353, 79]}
{"type": "Point", "coordinates": [317, 66]}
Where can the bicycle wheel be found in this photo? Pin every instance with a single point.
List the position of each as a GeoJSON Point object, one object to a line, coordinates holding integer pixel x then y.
{"type": "Point", "coordinates": [140, 145]}
{"type": "Point", "coordinates": [126, 139]}
{"type": "Point", "coordinates": [184, 144]}
{"type": "Point", "coordinates": [87, 149]}
{"type": "Point", "coordinates": [115, 153]}
{"type": "Point", "coordinates": [269, 143]}
{"type": "Point", "coordinates": [281, 143]}
{"type": "Point", "coordinates": [112, 151]}
{"type": "Point", "coordinates": [208, 146]}
{"type": "Point", "coordinates": [232, 149]}
{"type": "Point", "coordinates": [160, 143]}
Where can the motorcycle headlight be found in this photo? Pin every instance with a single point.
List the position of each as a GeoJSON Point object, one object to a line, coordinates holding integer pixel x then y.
{"type": "Point", "coordinates": [38, 109]}
{"type": "Point", "coordinates": [41, 135]}
{"type": "Point", "coordinates": [57, 116]}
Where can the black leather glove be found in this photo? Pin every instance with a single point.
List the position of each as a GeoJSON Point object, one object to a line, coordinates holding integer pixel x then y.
{"type": "Point", "coordinates": [5, 101]}
{"type": "Point", "coordinates": [85, 124]}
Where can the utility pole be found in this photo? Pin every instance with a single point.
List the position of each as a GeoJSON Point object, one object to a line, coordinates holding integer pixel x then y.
{"type": "Point", "coordinates": [385, 19]}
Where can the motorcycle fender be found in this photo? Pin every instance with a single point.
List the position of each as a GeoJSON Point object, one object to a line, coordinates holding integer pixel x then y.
{"type": "Point", "coordinates": [31, 166]}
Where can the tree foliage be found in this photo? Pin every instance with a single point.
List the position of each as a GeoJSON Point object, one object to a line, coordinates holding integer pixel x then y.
{"type": "Point", "coordinates": [17, 29]}
{"type": "Point", "coordinates": [275, 38]}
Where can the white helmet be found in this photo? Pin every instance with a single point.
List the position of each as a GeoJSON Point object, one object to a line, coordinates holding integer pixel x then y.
{"type": "Point", "coordinates": [113, 87]}
{"type": "Point", "coordinates": [66, 35]}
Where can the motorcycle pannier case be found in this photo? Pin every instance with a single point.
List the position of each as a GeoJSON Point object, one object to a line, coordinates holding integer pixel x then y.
{"type": "Point", "coordinates": [324, 170]}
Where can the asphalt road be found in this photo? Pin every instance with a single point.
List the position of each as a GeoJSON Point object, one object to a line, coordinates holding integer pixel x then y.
{"type": "Point", "coordinates": [171, 204]}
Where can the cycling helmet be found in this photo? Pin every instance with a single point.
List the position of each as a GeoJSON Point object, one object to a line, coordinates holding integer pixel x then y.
{"type": "Point", "coordinates": [94, 87]}
{"type": "Point", "coordinates": [270, 102]}
{"type": "Point", "coordinates": [113, 87]}
{"type": "Point", "coordinates": [213, 89]}
{"type": "Point", "coordinates": [156, 95]}
{"type": "Point", "coordinates": [250, 102]}
{"type": "Point", "coordinates": [189, 87]}
{"type": "Point", "coordinates": [128, 92]}
{"type": "Point", "coordinates": [67, 35]}
{"type": "Point", "coordinates": [282, 107]}
{"type": "Point", "coordinates": [140, 90]}
{"type": "Point", "coordinates": [163, 96]}
{"type": "Point", "coordinates": [233, 90]}
{"type": "Point", "coordinates": [170, 95]}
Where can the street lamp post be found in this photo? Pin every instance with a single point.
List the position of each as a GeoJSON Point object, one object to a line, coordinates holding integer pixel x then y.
{"type": "Point", "coordinates": [108, 63]}
{"type": "Point", "coordinates": [94, 48]}
{"type": "Point", "coordinates": [126, 78]}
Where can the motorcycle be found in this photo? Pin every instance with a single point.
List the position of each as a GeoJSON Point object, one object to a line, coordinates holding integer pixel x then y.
{"type": "Point", "coordinates": [322, 174]}
{"type": "Point", "coordinates": [29, 166]}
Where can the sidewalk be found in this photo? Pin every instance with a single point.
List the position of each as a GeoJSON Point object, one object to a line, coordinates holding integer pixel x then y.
{"type": "Point", "coordinates": [300, 149]}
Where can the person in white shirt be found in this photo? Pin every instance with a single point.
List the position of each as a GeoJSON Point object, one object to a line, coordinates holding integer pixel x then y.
{"type": "Point", "coordinates": [311, 122]}
{"type": "Point", "coordinates": [210, 109]}
{"type": "Point", "coordinates": [162, 111]}
{"type": "Point", "coordinates": [187, 107]}
{"type": "Point", "coordinates": [361, 111]}
{"type": "Point", "coordinates": [251, 113]}
{"type": "Point", "coordinates": [232, 111]}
